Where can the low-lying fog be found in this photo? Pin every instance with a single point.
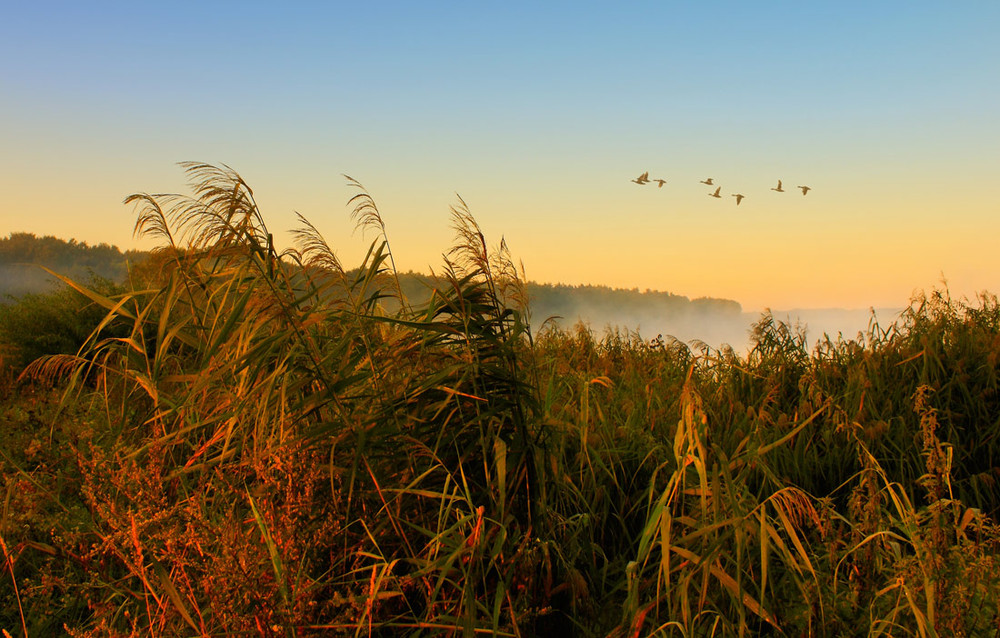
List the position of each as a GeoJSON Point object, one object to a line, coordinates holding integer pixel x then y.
{"type": "Point", "coordinates": [735, 330]}
{"type": "Point", "coordinates": [712, 321]}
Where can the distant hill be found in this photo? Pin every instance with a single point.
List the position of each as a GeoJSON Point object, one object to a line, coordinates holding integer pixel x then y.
{"type": "Point", "coordinates": [21, 254]}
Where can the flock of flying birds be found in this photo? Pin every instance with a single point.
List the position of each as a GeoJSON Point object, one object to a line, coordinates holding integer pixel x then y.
{"type": "Point", "coordinates": [644, 179]}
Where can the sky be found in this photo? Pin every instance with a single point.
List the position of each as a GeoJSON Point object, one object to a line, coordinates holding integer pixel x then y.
{"type": "Point", "coordinates": [538, 117]}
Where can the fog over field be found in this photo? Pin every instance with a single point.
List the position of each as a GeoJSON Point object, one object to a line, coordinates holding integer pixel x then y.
{"type": "Point", "coordinates": [735, 330]}
{"type": "Point", "coordinates": [714, 322]}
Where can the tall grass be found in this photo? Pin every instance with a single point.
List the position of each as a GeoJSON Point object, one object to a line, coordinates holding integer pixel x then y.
{"type": "Point", "coordinates": [281, 445]}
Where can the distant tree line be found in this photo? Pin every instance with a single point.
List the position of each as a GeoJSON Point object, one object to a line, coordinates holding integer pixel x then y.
{"type": "Point", "coordinates": [22, 254]}
{"type": "Point", "coordinates": [603, 302]}
{"type": "Point", "coordinates": [39, 315]}
{"type": "Point", "coordinates": [603, 307]}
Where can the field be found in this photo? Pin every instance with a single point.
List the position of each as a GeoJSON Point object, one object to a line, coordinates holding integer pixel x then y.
{"type": "Point", "coordinates": [263, 444]}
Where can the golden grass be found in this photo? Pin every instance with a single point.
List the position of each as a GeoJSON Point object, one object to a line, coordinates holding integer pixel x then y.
{"type": "Point", "coordinates": [278, 445]}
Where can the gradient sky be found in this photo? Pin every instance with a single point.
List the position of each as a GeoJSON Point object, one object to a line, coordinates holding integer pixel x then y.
{"type": "Point", "coordinates": [539, 118]}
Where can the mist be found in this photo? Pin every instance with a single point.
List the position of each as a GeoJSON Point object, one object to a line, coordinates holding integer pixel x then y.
{"type": "Point", "coordinates": [714, 322]}
{"type": "Point", "coordinates": [21, 279]}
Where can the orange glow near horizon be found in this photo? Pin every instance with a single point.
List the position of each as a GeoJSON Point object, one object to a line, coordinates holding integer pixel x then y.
{"type": "Point", "coordinates": [540, 121]}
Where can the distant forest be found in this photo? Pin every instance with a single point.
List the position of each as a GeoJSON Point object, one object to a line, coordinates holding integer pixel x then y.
{"type": "Point", "coordinates": [22, 254]}
{"type": "Point", "coordinates": [601, 307]}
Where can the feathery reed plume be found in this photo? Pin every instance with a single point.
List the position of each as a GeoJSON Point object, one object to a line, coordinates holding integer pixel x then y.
{"type": "Point", "coordinates": [469, 252]}
{"type": "Point", "coordinates": [365, 212]}
{"type": "Point", "coordinates": [510, 280]}
{"type": "Point", "coordinates": [222, 212]}
{"type": "Point", "coordinates": [366, 215]}
{"type": "Point", "coordinates": [151, 220]}
{"type": "Point", "coordinates": [315, 252]}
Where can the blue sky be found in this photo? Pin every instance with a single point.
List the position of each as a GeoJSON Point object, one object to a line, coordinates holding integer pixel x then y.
{"type": "Point", "coordinates": [538, 117]}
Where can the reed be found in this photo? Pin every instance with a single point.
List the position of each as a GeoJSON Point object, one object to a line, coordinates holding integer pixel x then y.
{"type": "Point", "coordinates": [258, 441]}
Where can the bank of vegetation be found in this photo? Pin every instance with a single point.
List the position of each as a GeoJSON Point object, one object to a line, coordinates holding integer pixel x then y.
{"type": "Point", "coordinates": [21, 254]}
{"type": "Point", "coordinates": [261, 443]}
{"type": "Point", "coordinates": [28, 261]}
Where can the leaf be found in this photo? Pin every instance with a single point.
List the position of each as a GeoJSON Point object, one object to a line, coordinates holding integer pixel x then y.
{"type": "Point", "coordinates": [172, 592]}
{"type": "Point", "coordinates": [729, 583]}
{"type": "Point", "coordinates": [272, 550]}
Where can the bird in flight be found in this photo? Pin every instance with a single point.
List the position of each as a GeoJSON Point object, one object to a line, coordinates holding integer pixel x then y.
{"type": "Point", "coordinates": [716, 193]}
{"type": "Point", "coordinates": [805, 189]}
{"type": "Point", "coordinates": [642, 179]}
{"type": "Point", "coordinates": [779, 189]}
{"type": "Point", "coordinates": [739, 198]}
{"type": "Point", "coordinates": [707, 181]}
{"type": "Point", "coordinates": [661, 182]}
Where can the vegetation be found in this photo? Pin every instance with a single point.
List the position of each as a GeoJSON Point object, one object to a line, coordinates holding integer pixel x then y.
{"type": "Point", "coordinates": [604, 306]}
{"type": "Point", "coordinates": [254, 443]}
{"type": "Point", "coordinates": [21, 254]}
{"type": "Point", "coordinates": [58, 322]}
{"type": "Point", "coordinates": [26, 262]}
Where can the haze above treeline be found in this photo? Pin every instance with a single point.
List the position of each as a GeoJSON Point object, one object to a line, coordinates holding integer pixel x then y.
{"type": "Point", "coordinates": [654, 314]}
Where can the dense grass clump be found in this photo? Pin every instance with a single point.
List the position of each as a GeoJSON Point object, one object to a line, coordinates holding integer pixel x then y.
{"type": "Point", "coordinates": [257, 442]}
{"type": "Point", "coordinates": [61, 321]}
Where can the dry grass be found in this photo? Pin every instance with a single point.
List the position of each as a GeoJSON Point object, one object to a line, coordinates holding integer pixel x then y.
{"type": "Point", "coordinates": [278, 445]}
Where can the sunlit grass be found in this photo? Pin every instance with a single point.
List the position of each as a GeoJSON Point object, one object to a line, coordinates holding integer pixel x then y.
{"type": "Point", "coordinates": [271, 443]}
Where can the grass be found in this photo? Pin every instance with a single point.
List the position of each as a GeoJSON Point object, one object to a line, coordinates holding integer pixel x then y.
{"type": "Point", "coordinates": [272, 444]}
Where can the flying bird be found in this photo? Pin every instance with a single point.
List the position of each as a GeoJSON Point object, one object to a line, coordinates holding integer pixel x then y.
{"type": "Point", "coordinates": [707, 181]}
{"type": "Point", "coordinates": [739, 198]}
{"type": "Point", "coordinates": [805, 189]}
{"type": "Point", "coordinates": [779, 189]}
{"type": "Point", "coordinates": [716, 193]}
{"type": "Point", "coordinates": [661, 182]}
{"type": "Point", "coordinates": [642, 179]}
